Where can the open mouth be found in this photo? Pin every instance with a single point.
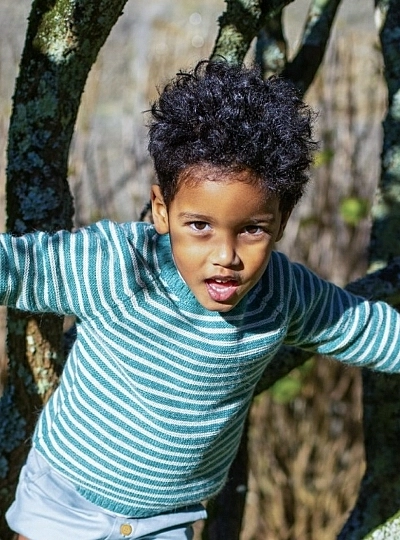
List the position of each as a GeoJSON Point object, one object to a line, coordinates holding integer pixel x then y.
{"type": "Point", "coordinates": [221, 290]}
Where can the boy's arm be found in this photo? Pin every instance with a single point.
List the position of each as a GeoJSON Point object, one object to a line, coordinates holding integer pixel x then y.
{"type": "Point", "coordinates": [328, 320]}
{"type": "Point", "coordinates": [58, 273]}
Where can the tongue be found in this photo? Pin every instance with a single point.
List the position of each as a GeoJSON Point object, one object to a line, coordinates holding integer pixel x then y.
{"type": "Point", "coordinates": [220, 292]}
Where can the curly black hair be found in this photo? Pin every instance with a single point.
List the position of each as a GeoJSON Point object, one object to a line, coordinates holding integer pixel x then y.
{"type": "Point", "coordinates": [228, 116]}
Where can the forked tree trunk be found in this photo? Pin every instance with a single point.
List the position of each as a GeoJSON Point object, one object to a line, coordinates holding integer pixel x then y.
{"type": "Point", "coordinates": [62, 42]}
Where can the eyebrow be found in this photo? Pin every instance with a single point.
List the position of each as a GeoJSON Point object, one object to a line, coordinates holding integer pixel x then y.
{"type": "Point", "coordinates": [270, 218]}
{"type": "Point", "coordinates": [194, 217]}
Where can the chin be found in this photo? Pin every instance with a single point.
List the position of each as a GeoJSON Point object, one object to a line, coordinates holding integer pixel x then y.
{"type": "Point", "coordinates": [221, 308]}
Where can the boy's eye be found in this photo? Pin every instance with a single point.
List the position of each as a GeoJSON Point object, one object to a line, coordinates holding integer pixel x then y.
{"type": "Point", "coordinates": [253, 229]}
{"type": "Point", "coordinates": [199, 225]}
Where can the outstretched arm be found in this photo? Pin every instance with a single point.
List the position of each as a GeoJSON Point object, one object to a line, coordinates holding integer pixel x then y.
{"type": "Point", "coordinates": [334, 322]}
{"type": "Point", "coordinates": [64, 273]}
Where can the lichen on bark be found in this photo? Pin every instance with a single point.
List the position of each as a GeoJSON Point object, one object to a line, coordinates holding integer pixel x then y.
{"type": "Point", "coordinates": [62, 42]}
{"type": "Point", "coordinates": [390, 530]}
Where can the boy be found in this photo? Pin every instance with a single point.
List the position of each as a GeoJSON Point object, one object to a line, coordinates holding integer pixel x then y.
{"type": "Point", "coordinates": [177, 321]}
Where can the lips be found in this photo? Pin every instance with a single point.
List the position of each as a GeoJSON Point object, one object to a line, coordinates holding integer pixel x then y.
{"type": "Point", "coordinates": [221, 289]}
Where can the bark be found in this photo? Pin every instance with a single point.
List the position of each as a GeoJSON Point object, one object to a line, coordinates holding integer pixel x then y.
{"type": "Point", "coordinates": [379, 495]}
{"type": "Point", "coordinates": [390, 529]}
{"type": "Point", "coordinates": [304, 66]}
{"type": "Point", "coordinates": [385, 240]}
{"type": "Point", "coordinates": [271, 47]}
{"type": "Point", "coordinates": [240, 23]}
{"type": "Point", "coordinates": [62, 42]}
{"type": "Point", "coordinates": [225, 512]}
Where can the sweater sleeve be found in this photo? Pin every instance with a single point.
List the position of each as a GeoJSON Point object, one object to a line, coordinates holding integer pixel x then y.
{"type": "Point", "coordinates": [328, 320]}
{"type": "Point", "coordinates": [65, 273]}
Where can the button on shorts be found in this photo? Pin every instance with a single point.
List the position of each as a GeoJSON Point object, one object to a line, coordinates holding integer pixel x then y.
{"type": "Point", "coordinates": [47, 506]}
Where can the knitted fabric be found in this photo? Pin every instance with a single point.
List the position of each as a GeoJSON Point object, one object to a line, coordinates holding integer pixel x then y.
{"type": "Point", "coordinates": [150, 408]}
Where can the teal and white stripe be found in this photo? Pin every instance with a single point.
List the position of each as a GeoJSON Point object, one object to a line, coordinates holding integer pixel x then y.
{"type": "Point", "coordinates": [150, 409]}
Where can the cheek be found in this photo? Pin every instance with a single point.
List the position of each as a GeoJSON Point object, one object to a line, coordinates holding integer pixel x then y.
{"type": "Point", "coordinates": [184, 246]}
{"type": "Point", "coordinates": [187, 255]}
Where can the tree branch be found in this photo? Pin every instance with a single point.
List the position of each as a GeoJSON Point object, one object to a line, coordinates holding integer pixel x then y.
{"type": "Point", "coordinates": [304, 66]}
{"type": "Point", "coordinates": [240, 23]}
{"type": "Point", "coordinates": [271, 47]}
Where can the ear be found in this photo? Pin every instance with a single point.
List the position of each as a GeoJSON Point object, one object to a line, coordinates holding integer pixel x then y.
{"type": "Point", "coordinates": [159, 210]}
{"type": "Point", "coordinates": [284, 219]}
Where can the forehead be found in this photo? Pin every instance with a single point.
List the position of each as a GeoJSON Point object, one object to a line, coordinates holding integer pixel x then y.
{"type": "Point", "coordinates": [201, 172]}
{"type": "Point", "coordinates": [218, 190]}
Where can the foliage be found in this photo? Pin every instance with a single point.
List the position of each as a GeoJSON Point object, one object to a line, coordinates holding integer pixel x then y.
{"type": "Point", "coordinates": [289, 387]}
{"type": "Point", "coordinates": [353, 210]}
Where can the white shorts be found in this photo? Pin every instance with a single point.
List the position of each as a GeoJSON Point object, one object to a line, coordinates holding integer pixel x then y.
{"type": "Point", "coordinates": [47, 506]}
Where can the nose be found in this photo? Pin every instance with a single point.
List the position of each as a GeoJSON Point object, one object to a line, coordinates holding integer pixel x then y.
{"type": "Point", "coordinates": [225, 252]}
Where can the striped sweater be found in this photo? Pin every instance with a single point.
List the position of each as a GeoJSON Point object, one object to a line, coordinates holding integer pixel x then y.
{"type": "Point", "coordinates": [150, 408]}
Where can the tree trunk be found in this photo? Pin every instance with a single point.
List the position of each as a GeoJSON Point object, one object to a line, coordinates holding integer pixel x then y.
{"type": "Point", "coordinates": [62, 42]}
{"type": "Point", "coordinates": [379, 495]}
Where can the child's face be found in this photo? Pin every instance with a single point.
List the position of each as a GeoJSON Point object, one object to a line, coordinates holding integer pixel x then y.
{"type": "Point", "coordinates": [222, 232]}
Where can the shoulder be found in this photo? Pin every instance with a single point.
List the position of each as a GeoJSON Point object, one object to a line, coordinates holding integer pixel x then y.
{"type": "Point", "coordinates": [293, 284]}
{"type": "Point", "coordinates": [127, 244]}
{"type": "Point", "coordinates": [293, 274]}
{"type": "Point", "coordinates": [130, 234]}
{"type": "Point", "coordinates": [139, 244]}
{"type": "Point", "coordinates": [132, 230]}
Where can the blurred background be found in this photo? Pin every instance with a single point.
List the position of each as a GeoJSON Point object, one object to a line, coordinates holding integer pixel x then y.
{"type": "Point", "coordinates": [305, 435]}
